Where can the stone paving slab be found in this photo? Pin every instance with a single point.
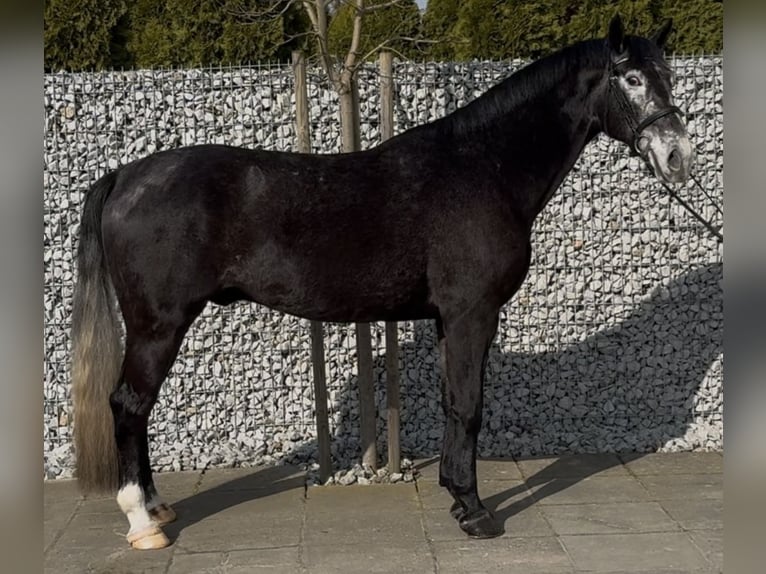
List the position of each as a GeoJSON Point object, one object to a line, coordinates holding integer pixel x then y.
{"type": "Point", "coordinates": [226, 533]}
{"type": "Point", "coordinates": [56, 517]}
{"type": "Point", "coordinates": [634, 552]}
{"type": "Point", "coordinates": [590, 490]}
{"type": "Point", "coordinates": [683, 486]}
{"type": "Point", "coordinates": [401, 497]}
{"type": "Point", "coordinates": [274, 478]}
{"type": "Point", "coordinates": [594, 513]}
{"type": "Point", "coordinates": [261, 561]}
{"type": "Point", "coordinates": [542, 469]}
{"type": "Point", "coordinates": [174, 488]}
{"type": "Point", "coordinates": [609, 518]}
{"type": "Point", "coordinates": [679, 463]}
{"type": "Point", "coordinates": [58, 491]}
{"type": "Point", "coordinates": [238, 520]}
{"type": "Point", "coordinates": [352, 515]}
{"type": "Point", "coordinates": [373, 558]}
{"type": "Point", "coordinates": [538, 555]}
{"type": "Point", "coordinates": [693, 514]}
{"type": "Point", "coordinates": [96, 544]}
{"type": "Point", "coordinates": [710, 543]}
{"type": "Point", "coordinates": [237, 504]}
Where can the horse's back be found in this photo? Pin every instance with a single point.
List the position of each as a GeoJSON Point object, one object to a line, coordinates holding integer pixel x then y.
{"type": "Point", "coordinates": [327, 237]}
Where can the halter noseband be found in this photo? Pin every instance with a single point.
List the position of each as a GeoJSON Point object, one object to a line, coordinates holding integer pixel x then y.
{"type": "Point", "coordinates": [625, 107]}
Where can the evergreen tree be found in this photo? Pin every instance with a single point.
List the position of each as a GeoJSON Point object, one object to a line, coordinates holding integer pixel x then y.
{"type": "Point", "coordinates": [208, 32]}
{"type": "Point", "coordinates": [500, 29]}
{"type": "Point", "coordinates": [479, 30]}
{"type": "Point", "coordinates": [591, 18]}
{"type": "Point", "coordinates": [697, 25]}
{"type": "Point", "coordinates": [99, 34]}
{"type": "Point", "coordinates": [439, 26]}
{"type": "Point", "coordinates": [119, 55]}
{"type": "Point", "coordinates": [396, 25]}
{"type": "Point", "coordinates": [77, 34]}
{"type": "Point", "coordinates": [153, 34]}
{"type": "Point", "coordinates": [531, 29]}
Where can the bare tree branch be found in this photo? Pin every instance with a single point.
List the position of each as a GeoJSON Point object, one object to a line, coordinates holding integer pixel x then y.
{"type": "Point", "coordinates": [273, 10]}
{"type": "Point", "coordinates": [384, 44]}
{"type": "Point", "coordinates": [340, 72]}
{"type": "Point", "coordinates": [369, 8]}
{"type": "Point", "coordinates": [376, 7]}
{"type": "Point", "coordinates": [310, 11]}
{"type": "Point", "coordinates": [387, 43]}
{"type": "Point", "coordinates": [318, 16]}
{"type": "Point", "coordinates": [356, 37]}
{"type": "Point", "coordinates": [292, 37]}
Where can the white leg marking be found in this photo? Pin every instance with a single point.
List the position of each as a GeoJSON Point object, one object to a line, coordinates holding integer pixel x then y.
{"type": "Point", "coordinates": [131, 501]}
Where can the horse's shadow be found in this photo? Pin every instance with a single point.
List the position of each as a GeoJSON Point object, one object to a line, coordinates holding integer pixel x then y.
{"type": "Point", "coordinates": [262, 483]}
{"type": "Point", "coordinates": [676, 333]}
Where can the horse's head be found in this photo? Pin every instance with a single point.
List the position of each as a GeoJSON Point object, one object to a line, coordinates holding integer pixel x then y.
{"type": "Point", "coordinates": [639, 108]}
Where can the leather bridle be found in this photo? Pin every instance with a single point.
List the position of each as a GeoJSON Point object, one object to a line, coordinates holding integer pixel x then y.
{"type": "Point", "coordinates": [637, 127]}
{"type": "Point", "coordinates": [627, 110]}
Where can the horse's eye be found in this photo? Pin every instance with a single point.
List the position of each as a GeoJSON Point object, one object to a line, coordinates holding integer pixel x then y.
{"type": "Point", "coordinates": [633, 81]}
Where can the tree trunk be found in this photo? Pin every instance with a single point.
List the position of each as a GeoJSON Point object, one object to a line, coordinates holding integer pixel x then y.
{"type": "Point", "coordinates": [349, 114]}
{"type": "Point", "coordinates": [348, 91]}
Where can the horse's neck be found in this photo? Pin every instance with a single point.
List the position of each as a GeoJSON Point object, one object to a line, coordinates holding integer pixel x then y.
{"type": "Point", "coordinates": [561, 162]}
{"type": "Point", "coordinates": [536, 144]}
{"type": "Point", "coordinates": [547, 144]}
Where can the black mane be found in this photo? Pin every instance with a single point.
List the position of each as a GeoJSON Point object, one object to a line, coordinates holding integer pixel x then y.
{"type": "Point", "coordinates": [524, 84]}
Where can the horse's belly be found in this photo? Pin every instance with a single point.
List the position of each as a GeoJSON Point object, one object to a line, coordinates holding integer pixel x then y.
{"type": "Point", "coordinates": [336, 290]}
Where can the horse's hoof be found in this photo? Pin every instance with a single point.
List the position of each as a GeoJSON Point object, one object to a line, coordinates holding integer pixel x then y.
{"type": "Point", "coordinates": [480, 524]}
{"type": "Point", "coordinates": [151, 538]}
{"type": "Point", "coordinates": [457, 511]}
{"type": "Point", "coordinates": [162, 514]}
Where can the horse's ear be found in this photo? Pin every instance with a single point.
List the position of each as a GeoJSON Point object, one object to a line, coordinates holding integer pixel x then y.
{"type": "Point", "coordinates": [661, 35]}
{"type": "Point", "coordinates": [617, 35]}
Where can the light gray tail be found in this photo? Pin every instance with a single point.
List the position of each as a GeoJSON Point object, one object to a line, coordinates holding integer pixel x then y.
{"type": "Point", "coordinates": [96, 351]}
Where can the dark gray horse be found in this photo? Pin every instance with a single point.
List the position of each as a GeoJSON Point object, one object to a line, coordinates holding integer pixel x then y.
{"type": "Point", "coordinates": [432, 224]}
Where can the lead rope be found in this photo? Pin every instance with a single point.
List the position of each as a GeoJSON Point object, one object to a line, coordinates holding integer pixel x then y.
{"type": "Point", "coordinates": [702, 189]}
{"type": "Point", "coordinates": [691, 210]}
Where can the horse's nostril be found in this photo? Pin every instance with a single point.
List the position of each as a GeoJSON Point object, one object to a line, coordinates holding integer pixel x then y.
{"type": "Point", "coordinates": [674, 160]}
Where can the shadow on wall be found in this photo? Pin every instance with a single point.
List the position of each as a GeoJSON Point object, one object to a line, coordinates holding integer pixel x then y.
{"type": "Point", "coordinates": [638, 386]}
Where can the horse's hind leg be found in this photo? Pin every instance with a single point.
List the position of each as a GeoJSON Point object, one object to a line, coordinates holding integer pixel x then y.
{"type": "Point", "coordinates": [149, 354]}
{"type": "Point", "coordinates": [465, 340]}
{"type": "Point", "coordinates": [160, 512]}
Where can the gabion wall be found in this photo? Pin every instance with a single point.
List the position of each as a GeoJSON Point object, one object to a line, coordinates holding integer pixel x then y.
{"type": "Point", "coordinates": [613, 343]}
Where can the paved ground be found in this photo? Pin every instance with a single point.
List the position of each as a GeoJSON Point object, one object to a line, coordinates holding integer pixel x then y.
{"type": "Point", "coordinates": [598, 513]}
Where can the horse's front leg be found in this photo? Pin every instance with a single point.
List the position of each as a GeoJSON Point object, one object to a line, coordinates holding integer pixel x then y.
{"type": "Point", "coordinates": [464, 342]}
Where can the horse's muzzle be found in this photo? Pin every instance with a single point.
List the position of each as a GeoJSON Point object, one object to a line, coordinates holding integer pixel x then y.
{"type": "Point", "coordinates": [671, 160]}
